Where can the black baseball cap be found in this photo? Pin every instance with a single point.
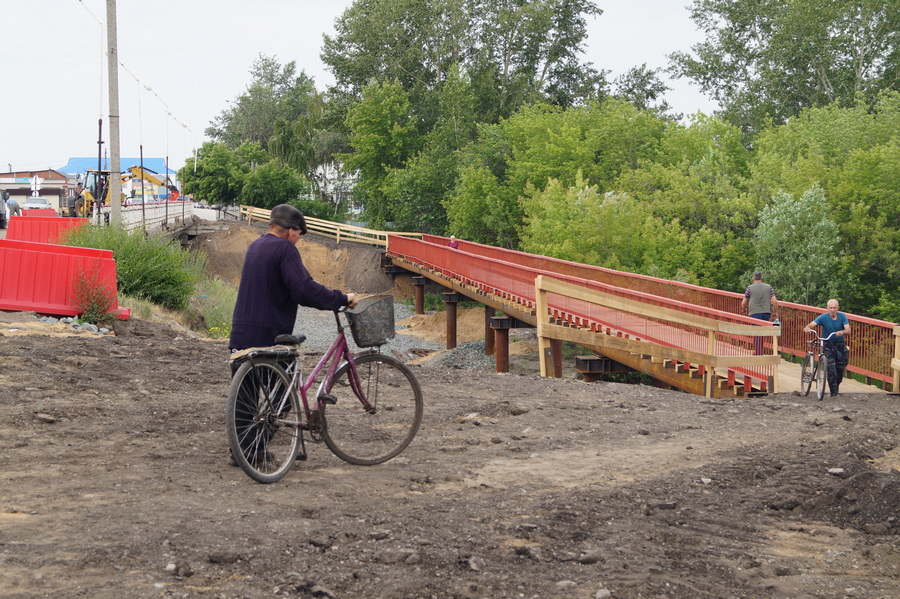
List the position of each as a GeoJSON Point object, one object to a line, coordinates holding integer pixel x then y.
{"type": "Point", "coordinates": [285, 215]}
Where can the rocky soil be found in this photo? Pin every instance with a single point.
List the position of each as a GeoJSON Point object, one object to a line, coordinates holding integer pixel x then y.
{"type": "Point", "coordinates": [114, 482]}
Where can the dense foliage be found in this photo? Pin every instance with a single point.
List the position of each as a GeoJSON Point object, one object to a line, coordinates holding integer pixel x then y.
{"type": "Point", "coordinates": [478, 118]}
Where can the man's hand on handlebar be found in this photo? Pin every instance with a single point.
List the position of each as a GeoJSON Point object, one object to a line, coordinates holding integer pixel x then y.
{"type": "Point", "coordinates": [351, 300]}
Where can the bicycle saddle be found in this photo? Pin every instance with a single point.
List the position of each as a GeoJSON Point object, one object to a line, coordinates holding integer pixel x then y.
{"type": "Point", "coordinates": [290, 339]}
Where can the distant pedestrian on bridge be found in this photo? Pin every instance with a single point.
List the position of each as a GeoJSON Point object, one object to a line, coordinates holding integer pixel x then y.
{"type": "Point", "coordinates": [835, 348]}
{"type": "Point", "coordinates": [454, 243]}
{"type": "Point", "coordinates": [759, 302]}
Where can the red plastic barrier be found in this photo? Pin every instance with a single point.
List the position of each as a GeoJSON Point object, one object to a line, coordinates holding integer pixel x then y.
{"type": "Point", "coordinates": [41, 276]}
{"type": "Point", "coordinates": [39, 212]}
{"type": "Point", "coordinates": [41, 229]}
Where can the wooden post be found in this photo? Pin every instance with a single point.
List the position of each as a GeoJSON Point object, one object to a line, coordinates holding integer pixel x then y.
{"type": "Point", "coordinates": [488, 331]}
{"type": "Point", "coordinates": [556, 353]}
{"type": "Point", "coordinates": [895, 388]}
{"type": "Point", "coordinates": [711, 371]}
{"type": "Point", "coordinates": [542, 315]}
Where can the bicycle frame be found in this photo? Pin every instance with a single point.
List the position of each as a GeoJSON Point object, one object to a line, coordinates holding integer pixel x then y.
{"type": "Point", "coordinates": [339, 349]}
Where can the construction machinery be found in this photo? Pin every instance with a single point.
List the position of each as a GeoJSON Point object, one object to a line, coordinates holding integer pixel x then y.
{"type": "Point", "coordinates": [134, 187]}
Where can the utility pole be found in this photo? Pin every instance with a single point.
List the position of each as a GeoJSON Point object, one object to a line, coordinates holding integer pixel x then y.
{"type": "Point", "coordinates": [115, 170]}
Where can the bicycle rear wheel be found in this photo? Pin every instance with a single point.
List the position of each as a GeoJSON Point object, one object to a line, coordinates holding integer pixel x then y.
{"type": "Point", "coordinates": [367, 434]}
{"type": "Point", "coordinates": [807, 372]}
{"type": "Point", "coordinates": [821, 376]}
{"type": "Point", "coordinates": [262, 420]}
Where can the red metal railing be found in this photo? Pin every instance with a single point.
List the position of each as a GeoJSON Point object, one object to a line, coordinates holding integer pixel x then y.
{"type": "Point", "coordinates": [871, 342]}
{"type": "Point", "coordinates": [516, 281]}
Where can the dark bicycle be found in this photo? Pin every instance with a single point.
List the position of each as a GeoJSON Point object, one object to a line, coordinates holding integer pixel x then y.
{"type": "Point", "coordinates": [814, 368]}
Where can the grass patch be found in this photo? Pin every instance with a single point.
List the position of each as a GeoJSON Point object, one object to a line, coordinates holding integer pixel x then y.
{"type": "Point", "coordinates": [215, 301]}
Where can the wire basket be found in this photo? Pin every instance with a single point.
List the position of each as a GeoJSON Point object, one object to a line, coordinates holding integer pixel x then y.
{"type": "Point", "coordinates": [372, 320]}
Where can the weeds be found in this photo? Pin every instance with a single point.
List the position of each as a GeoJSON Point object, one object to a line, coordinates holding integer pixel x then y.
{"type": "Point", "coordinates": [93, 298]}
{"type": "Point", "coordinates": [215, 303]}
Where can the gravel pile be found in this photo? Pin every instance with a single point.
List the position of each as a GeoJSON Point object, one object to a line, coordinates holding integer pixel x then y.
{"type": "Point", "coordinates": [320, 330]}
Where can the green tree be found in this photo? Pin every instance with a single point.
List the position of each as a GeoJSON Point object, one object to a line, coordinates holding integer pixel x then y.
{"type": "Point", "coordinates": [382, 135]}
{"type": "Point", "coordinates": [644, 89]}
{"type": "Point", "coordinates": [515, 51]}
{"type": "Point", "coordinates": [797, 242]}
{"type": "Point", "coordinates": [419, 191]}
{"type": "Point", "coordinates": [272, 184]}
{"type": "Point", "coordinates": [853, 153]}
{"type": "Point", "coordinates": [483, 210]}
{"type": "Point", "coordinates": [310, 144]}
{"type": "Point", "coordinates": [276, 94]}
{"type": "Point", "coordinates": [769, 59]}
{"type": "Point", "coordinates": [216, 176]}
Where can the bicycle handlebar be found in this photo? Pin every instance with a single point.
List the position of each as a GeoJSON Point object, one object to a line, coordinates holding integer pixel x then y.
{"type": "Point", "coordinates": [822, 338]}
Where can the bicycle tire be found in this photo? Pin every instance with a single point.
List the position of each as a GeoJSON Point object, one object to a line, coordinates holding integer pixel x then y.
{"type": "Point", "coordinates": [363, 437]}
{"type": "Point", "coordinates": [807, 374]}
{"type": "Point", "coordinates": [262, 420]}
{"type": "Point", "coordinates": [821, 376]}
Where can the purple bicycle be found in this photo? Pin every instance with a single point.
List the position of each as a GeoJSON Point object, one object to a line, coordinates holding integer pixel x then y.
{"type": "Point", "coordinates": [366, 408]}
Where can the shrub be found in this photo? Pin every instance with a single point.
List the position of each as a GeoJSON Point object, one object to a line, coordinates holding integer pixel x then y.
{"type": "Point", "coordinates": [93, 300]}
{"type": "Point", "coordinates": [150, 267]}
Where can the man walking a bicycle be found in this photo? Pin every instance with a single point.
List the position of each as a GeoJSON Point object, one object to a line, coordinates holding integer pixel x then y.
{"type": "Point", "coordinates": [274, 282]}
{"type": "Point", "coordinates": [835, 347]}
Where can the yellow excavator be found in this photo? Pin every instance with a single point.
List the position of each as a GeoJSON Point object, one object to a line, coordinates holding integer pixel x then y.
{"type": "Point", "coordinates": [96, 184]}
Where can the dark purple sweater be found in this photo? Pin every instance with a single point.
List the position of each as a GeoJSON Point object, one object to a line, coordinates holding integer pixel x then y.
{"type": "Point", "coordinates": [273, 282]}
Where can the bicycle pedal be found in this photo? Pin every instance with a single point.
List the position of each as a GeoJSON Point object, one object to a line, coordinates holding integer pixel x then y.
{"type": "Point", "coordinates": [329, 399]}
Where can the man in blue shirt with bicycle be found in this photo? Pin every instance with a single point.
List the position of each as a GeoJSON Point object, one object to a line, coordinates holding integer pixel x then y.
{"type": "Point", "coordinates": [836, 325]}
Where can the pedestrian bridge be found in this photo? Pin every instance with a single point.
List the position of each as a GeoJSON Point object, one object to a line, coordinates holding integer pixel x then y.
{"type": "Point", "coordinates": [685, 336]}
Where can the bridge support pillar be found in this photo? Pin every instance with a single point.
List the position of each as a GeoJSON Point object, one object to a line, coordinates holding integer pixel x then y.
{"type": "Point", "coordinates": [450, 300]}
{"type": "Point", "coordinates": [419, 283]}
{"type": "Point", "coordinates": [488, 331]}
{"type": "Point", "coordinates": [501, 326]}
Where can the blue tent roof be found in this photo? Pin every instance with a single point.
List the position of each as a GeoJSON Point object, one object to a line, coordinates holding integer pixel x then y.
{"type": "Point", "coordinates": [79, 165]}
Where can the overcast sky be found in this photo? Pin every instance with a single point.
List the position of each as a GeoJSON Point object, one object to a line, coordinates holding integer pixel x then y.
{"type": "Point", "coordinates": [193, 55]}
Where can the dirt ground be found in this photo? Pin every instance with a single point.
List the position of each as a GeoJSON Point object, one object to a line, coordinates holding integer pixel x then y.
{"type": "Point", "coordinates": [114, 481]}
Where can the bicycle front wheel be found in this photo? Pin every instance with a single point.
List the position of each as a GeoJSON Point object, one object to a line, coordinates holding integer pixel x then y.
{"type": "Point", "coordinates": [821, 376]}
{"type": "Point", "coordinates": [807, 373]}
{"type": "Point", "coordinates": [376, 412]}
{"type": "Point", "coordinates": [262, 420]}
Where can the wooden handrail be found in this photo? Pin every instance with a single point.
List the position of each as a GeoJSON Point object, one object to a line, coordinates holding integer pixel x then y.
{"type": "Point", "coordinates": [337, 231]}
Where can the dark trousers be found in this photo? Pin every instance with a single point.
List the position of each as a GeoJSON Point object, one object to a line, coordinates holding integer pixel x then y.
{"type": "Point", "coordinates": [758, 341]}
{"type": "Point", "coordinates": [838, 355]}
